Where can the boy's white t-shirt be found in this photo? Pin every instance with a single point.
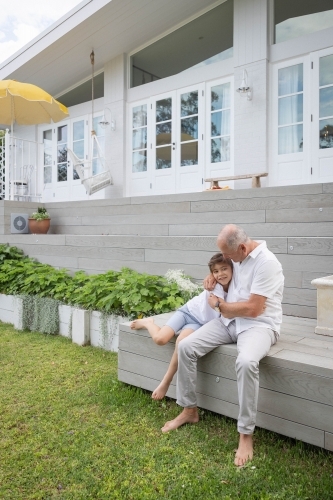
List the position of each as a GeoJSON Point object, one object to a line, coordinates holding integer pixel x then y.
{"type": "Point", "coordinates": [199, 307]}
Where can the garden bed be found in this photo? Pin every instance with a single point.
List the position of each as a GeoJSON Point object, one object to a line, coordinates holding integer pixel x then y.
{"type": "Point", "coordinates": [83, 327]}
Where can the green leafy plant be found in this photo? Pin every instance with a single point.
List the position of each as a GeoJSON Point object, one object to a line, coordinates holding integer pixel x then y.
{"type": "Point", "coordinates": [10, 253]}
{"type": "Point", "coordinates": [41, 214]}
{"type": "Point", "coordinates": [125, 293]}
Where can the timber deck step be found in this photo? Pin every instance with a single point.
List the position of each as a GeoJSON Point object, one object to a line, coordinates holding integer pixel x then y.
{"type": "Point", "coordinates": [296, 378]}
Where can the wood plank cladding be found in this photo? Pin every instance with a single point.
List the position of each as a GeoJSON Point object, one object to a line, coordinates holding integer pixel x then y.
{"type": "Point", "coordinates": [155, 233]}
{"type": "Point", "coordinates": [296, 378]}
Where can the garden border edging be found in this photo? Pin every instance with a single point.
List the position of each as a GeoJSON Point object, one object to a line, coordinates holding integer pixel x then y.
{"type": "Point", "coordinates": [84, 327]}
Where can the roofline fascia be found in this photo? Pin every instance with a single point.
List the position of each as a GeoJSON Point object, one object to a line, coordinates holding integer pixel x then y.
{"type": "Point", "coordinates": [48, 32]}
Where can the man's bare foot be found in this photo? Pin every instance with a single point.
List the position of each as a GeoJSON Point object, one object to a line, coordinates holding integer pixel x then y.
{"type": "Point", "coordinates": [161, 390]}
{"type": "Point", "coordinates": [245, 450]}
{"type": "Point", "coordinates": [138, 324]}
{"type": "Point", "coordinates": [187, 416]}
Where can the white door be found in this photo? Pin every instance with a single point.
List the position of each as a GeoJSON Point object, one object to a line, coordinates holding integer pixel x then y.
{"type": "Point", "coordinates": [139, 175]}
{"type": "Point", "coordinates": [163, 144]}
{"type": "Point", "coordinates": [322, 116]}
{"type": "Point", "coordinates": [219, 129]}
{"type": "Point", "coordinates": [189, 143]}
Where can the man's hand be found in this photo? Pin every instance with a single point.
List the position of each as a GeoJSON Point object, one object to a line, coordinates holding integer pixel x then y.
{"type": "Point", "coordinates": [209, 282]}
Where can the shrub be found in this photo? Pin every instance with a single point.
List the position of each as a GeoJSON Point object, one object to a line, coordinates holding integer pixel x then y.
{"type": "Point", "coordinates": [125, 293]}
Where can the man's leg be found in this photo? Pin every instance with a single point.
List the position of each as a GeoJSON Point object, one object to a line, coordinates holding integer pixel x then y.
{"type": "Point", "coordinates": [190, 349]}
{"type": "Point", "coordinates": [252, 345]}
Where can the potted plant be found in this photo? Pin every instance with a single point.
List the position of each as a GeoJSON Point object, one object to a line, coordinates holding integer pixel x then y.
{"type": "Point", "coordinates": [39, 222]}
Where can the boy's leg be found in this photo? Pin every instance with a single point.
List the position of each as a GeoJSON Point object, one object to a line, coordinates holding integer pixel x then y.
{"type": "Point", "coordinates": [163, 387]}
{"type": "Point", "coordinates": [160, 335]}
{"type": "Point", "coordinates": [252, 345]}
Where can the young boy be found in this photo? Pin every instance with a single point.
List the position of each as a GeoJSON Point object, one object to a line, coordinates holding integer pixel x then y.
{"type": "Point", "coordinates": [188, 318]}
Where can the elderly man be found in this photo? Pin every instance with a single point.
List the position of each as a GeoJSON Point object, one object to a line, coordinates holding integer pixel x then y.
{"type": "Point", "coordinates": [251, 317]}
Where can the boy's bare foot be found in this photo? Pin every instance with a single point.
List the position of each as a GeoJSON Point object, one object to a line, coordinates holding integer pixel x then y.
{"type": "Point", "coordinates": [245, 450]}
{"type": "Point", "coordinates": [160, 390]}
{"type": "Point", "coordinates": [187, 416]}
{"type": "Point", "coordinates": [138, 324]}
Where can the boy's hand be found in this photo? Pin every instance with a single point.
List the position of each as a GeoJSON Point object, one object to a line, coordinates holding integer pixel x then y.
{"type": "Point", "coordinates": [212, 300]}
{"type": "Point", "coordinates": [209, 282]}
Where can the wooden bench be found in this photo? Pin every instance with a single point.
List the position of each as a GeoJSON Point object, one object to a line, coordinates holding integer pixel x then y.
{"type": "Point", "coordinates": [214, 181]}
{"type": "Point", "coordinates": [296, 378]}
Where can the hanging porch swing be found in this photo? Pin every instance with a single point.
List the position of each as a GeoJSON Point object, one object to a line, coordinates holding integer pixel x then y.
{"type": "Point", "coordinates": [84, 168]}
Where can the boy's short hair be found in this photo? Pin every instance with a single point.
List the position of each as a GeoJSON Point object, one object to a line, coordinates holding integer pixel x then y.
{"type": "Point", "coordinates": [218, 258]}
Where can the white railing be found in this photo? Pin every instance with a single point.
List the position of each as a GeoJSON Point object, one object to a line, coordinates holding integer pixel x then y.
{"type": "Point", "coordinates": [19, 169]}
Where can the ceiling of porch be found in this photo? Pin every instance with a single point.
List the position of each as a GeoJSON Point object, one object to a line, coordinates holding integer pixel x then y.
{"type": "Point", "coordinates": [59, 59]}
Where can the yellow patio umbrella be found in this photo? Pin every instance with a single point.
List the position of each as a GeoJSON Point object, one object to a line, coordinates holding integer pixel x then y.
{"type": "Point", "coordinates": [27, 104]}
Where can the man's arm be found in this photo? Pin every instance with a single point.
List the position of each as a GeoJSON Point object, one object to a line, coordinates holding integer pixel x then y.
{"type": "Point", "coordinates": [250, 308]}
{"type": "Point", "coordinates": [209, 282]}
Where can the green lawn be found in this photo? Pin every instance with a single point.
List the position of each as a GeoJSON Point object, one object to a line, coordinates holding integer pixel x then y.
{"type": "Point", "coordinates": [70, 430]}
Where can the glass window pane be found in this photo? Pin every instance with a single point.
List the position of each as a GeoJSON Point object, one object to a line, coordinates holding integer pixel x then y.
{"type": "Point", "coordinates": [139, 139]}
{"type": "Point", "coordinates": [62, 133]}
{"type": "Point", "coordinates": [291, 80]}
{"type": "Point", "coordinates": [291, 109]}
{"type": "Point", "coordinates": [101, 142]}
{"type": "Point", "coordinates": [189, 103]}
{"type": "Point", "coordinates": [206, 39]}
{"type": "Point", "coordinates": [189, 129]}
{"type": "Point", "coordinates": [291, 139]}
{"type": "Point", "coordinates": [163, 133]}
{"type": "Point", "coordinates": [295, 19]}
{"type": "Point", "coordinates": [326, 102]}
{"type": "Point", "coordinates": [62, 172]}
{"type": "Point", "coordinates": [326, 70]}
{"type": "Point", "coordinates": [78, 149]}
{"type": "Point", "coordinates": [47, 135]}
{"type": "Point", "coordinates": [48, 156]}
{"type": "Point", "coordinates": [97, 166]}
{"type": "Point", "coordinates": [47, 174]}
{"type": "Point", "coordinates": [75, 175]}
{"type": "Point", "coordinates": [163, 157]}
{"type": "Point", "coordinates": [220, 96]}
{"type": "Point", "coordinates": [220, 150]}
{"type": "Point", "coordinates": [139, 161]}
{"type": "Point", "coordinates": [326, 133]}
{"type": "Point", "coordinates": [189, 154]}
{"type": "Point", "coordinates": [163, 110]}
{"type": "Point", "coordinates": [220, 123]}
{"type": "Point", "coordinates": [215, 151]}
{"type": "Point", "coordinates": [78, 130]}
{"type": "Point", "coordinates": [140, 116]}
{"type": "Point", "coordinates": [61, 153]}
{"type": "Point", "coordinates": [97, 125]}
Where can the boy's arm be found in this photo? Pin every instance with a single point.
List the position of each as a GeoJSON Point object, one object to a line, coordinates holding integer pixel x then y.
{"type": "Point", "coordinates": [250, 308]}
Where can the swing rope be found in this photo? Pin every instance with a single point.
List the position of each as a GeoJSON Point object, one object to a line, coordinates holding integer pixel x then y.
{"type": "Point", "coordinates": [92, 60]}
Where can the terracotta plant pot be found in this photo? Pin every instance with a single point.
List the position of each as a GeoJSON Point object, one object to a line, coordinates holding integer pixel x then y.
{"type": "Point", "coordinates": [39, 226]}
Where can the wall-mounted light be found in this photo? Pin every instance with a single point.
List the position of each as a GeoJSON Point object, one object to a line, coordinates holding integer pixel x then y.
{"type": "Point", "coordinates": [244, 88]}
{"type": "Point", "coordinates": [107, 120]}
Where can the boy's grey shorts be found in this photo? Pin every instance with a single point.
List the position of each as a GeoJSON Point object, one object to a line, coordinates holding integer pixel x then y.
{"type": "Point", "coordinates": [183, 319]}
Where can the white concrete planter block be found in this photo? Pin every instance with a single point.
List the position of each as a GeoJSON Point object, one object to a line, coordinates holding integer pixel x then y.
{"type": "Point", "coordinates": [80, 326]}
{"type": "Point", "coordinates": [17, 315]}
{"type": "Point", "coordinates": [324, 305]}
{"type": "Point", "coordinates": [110, 339]}
{"type": "Point", "coordinates": [65, 313]}
{"type": "Point", "coordinates": [86, 325]}
{"type": "Point", "coordinates": [6, 308]}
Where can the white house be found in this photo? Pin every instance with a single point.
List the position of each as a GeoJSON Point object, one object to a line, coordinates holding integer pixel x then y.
{"type": "Point", "coordinates": [166, 108]}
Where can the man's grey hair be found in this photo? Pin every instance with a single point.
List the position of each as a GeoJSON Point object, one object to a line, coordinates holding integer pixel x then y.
{"type": "Point", "coordinates": [233, 236]}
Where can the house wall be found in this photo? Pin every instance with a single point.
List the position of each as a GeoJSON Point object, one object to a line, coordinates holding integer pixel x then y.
{"type": "Point", "coordinates": [152, 234]}
{"type": "Point", "coordinates": [254, 121]}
